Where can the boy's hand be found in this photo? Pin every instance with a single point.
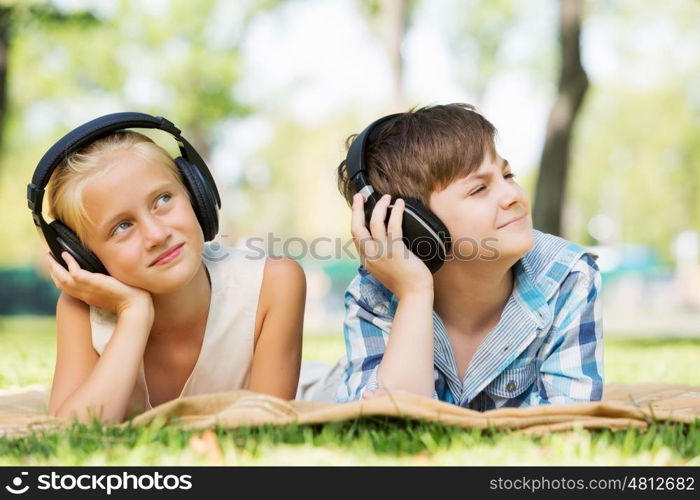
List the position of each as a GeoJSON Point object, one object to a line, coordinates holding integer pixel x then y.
{"type": "Point", "coordinates": [383, 252]}
{"type": "Point", "coordinates": [95, 289]}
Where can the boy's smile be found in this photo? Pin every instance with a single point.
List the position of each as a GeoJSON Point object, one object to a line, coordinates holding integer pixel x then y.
{"type": "Point", "coordinates": [487, 213]}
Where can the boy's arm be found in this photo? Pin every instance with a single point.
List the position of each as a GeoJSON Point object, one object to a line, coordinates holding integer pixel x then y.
{"type": "Point", "coordinates": [366, 337]}
{"type": "Point", "coordinates": [572, 368]}
{"type": "Point", "coordinates": [406, 355]}
{"type": "Point", "coordinates": [406, 362]}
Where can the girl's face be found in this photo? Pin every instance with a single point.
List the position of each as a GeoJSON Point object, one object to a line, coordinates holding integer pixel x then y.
{"type": "Point", "coordinates": [140, 210]}
{"type": "Point", "coordinates": [477, 208]}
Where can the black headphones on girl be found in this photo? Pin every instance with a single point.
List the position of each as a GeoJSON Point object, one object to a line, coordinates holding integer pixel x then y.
{"type": "Point", "coordinates": [423, 232]}
{"type": "Point", "coordinates": [197, 179]}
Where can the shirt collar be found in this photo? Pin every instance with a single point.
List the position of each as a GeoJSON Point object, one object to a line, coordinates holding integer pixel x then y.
{"type": "Point", "coordinates": [537, 276]}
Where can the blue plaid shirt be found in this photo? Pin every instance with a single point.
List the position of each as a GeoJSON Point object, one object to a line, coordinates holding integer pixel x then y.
{"type": "Point", "coordinates": [547, 347]}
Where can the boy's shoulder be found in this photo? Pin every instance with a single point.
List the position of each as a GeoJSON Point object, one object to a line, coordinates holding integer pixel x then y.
{"type": "Point", "coordinates": [553, 259]}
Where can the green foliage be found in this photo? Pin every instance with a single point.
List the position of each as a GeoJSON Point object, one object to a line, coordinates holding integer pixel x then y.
{"type": "Point", "coordinates": [27, 350]}
{"type": "Point", "coordinates": [643, 174]}
{"type": "Point", "coordinates": [68, 66]}
{"type": "Point", "coordinates": [479, 34]}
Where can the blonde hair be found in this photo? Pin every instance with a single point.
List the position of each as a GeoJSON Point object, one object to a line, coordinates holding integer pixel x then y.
{"type": "Point", "coordinates": [68, 181]}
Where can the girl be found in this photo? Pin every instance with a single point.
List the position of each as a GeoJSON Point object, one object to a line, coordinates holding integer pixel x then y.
{"type": "Point", "coordinates": [168, 321]}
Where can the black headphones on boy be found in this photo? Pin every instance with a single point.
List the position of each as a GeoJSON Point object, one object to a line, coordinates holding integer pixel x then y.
{"type": "Point", "coordinates": [423, 232]}
{"type": "Point", "coordinates": [197, 179]}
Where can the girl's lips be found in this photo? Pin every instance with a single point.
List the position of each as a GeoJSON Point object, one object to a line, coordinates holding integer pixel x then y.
{"type": "Point", "coordinates": [174, 254]}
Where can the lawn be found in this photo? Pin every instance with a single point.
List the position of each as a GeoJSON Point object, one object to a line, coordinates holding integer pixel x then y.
{"type": "Point", "coordinates": [27, 355]}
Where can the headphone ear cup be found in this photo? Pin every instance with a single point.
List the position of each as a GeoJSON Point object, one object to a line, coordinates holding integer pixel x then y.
{"type": "Point", "coordinates": [425, 234]}
{"type": "Point", "coordinates": [203, 198]}
{"type": "Point", "coordinates": [68, 240]}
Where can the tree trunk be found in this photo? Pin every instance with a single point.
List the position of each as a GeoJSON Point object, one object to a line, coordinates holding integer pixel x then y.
{"type": "Point", "coordinates": [573, 83]}
{"type": "Point", "coordinates": [5, 24]}
{"type": "Point", "coordinates": [396, 12]}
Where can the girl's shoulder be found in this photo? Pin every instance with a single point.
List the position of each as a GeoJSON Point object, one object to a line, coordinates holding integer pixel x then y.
{"type": "Point", "coordinates": [241, 263]}
{"type": "Point", "coordinates": [232, 265]}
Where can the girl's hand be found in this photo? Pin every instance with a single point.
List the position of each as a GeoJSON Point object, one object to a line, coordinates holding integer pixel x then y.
{"type": "Point", "coordinates": [383, 252]}
{"type": "Point", "coordinates": [95, 289]}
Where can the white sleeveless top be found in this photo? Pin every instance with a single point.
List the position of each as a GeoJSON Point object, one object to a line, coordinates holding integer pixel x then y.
{"type": "Point", "coordinates": [226, 355]}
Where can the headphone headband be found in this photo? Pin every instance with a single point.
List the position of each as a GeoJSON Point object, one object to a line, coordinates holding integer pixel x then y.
{"type": "Point", "coordinates": [419, 224]}
{"type": "Point", "coordinates": [196, 177]}
{"type": "Point", "coordinates": [355, 159]}
{"type": "Point", "coordinates": [99, 127]}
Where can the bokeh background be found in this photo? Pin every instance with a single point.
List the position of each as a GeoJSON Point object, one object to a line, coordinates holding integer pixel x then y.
{"type": "Point", "coordinates": [597, 104]}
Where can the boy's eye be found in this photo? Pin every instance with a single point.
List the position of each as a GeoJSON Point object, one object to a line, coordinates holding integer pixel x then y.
{"type": "Point", "coordinates": [509, 175]}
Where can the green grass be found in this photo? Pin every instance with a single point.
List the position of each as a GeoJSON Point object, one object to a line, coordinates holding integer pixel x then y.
{"type": "Point", "coordinates": [27, 355]}
{"type": "Point", "coordinates": [374, 441]}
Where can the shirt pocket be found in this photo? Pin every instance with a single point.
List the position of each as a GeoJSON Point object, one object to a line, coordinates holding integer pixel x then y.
{"type": "Point", "coordinates": [512, 382]}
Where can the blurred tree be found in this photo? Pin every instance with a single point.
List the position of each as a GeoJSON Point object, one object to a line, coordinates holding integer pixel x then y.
{"type": "Point", "coordinates": [636, 152]}
{"type": "Point", "coordinates": [174, 58]}
{"type": "Point", "coordinates": [573, 83]}
{"type": "Point", "coordinates": [476, 32]}
{"type": "Point", "coordinates": [14, 16]}
{"type": "Point", "coordinates": [5, 23]}
{"type": "Point", "coordinates": [391, 19]}
{"type": "Point", "coordinates": [178, 59]}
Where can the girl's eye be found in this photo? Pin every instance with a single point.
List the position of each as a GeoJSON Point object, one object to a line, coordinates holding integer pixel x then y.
{"type": "Point", "coordinates": [166, 195]}
{"type": "Point", "coordinates": [116, 229]}
{"type": "Point", "coordinates": [510, 175]}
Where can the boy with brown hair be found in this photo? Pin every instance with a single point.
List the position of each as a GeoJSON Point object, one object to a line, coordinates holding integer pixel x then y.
{"type": "Point", "coordinates": [484, 311]}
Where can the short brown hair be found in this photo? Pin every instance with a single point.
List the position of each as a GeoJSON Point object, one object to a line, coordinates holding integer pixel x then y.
{"type": "Point", "coordinates": [423, 151]}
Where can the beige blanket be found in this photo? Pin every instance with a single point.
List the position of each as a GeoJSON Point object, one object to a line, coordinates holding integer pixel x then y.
{"type": "Point", "coordinates": [623, 406]}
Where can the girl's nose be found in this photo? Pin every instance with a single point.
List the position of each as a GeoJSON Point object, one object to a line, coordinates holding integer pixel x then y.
{"type": "Point", "coordinates": [155, 232]}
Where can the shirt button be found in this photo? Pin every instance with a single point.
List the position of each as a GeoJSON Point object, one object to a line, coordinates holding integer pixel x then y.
{"type": "Point", "coordinates": [511, 386]}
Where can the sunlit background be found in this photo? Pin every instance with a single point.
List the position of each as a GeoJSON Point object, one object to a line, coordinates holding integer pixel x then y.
{"type": "Point", "coordinates": [269, 90]}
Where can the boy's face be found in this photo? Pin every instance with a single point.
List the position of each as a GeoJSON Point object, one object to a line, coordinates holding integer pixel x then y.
{"type": "Point", "coordinates": [487, 214]}
{"type": "Point", "coordinates": [140, 210]}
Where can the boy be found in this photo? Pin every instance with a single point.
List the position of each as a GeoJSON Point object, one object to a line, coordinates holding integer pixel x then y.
{"type": "Point", "coordinates": [511, 318]}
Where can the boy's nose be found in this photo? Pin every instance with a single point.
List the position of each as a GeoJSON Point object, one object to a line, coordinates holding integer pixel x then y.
{"type": "Point", "coordinates": [512, 194]}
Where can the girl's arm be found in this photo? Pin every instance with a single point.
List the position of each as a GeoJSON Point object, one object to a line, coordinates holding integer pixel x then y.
{"type": "Point", "coordinates": [87, 385]}
{"type": "Point", "coordinates": [278, 329]}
